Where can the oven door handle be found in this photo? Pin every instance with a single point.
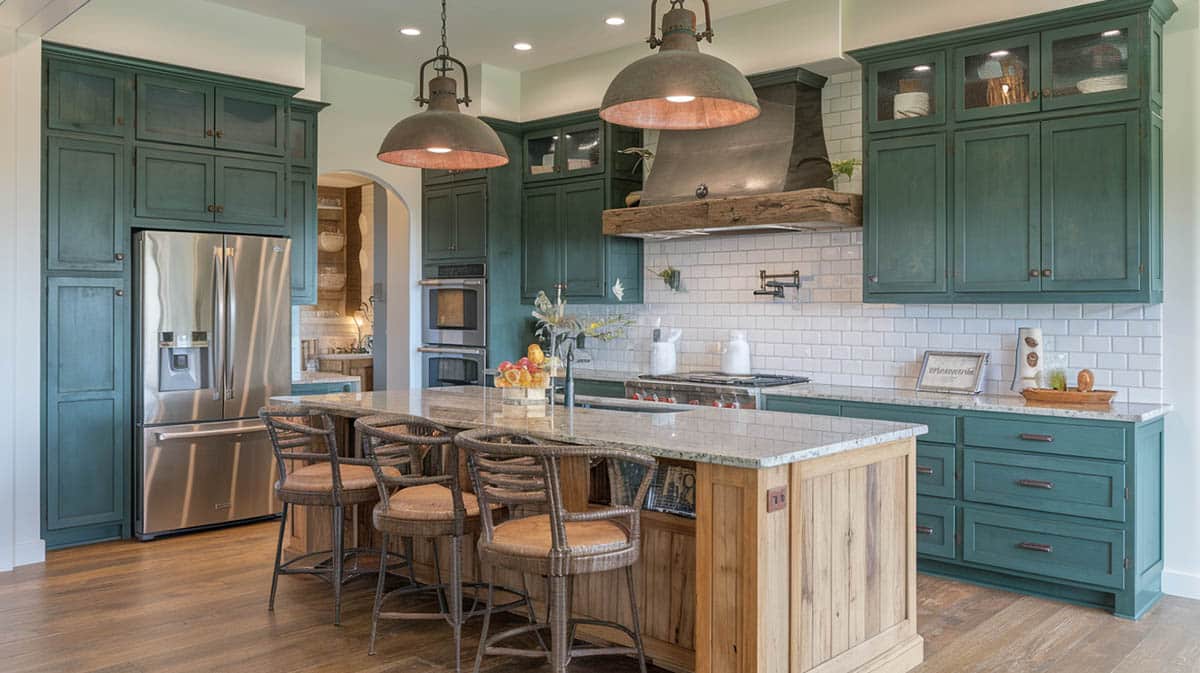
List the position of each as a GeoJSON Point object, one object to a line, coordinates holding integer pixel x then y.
{"type": "Point", "coordinates": [451, 282]}
{"type": "Point", "coordinates": [450, 350]}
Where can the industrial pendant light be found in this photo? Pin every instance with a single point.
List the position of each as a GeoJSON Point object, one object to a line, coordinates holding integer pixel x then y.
{"type": "Point", "coordinates": [679, 88]}
{"type": "Point", "coordinates": [442, 137]}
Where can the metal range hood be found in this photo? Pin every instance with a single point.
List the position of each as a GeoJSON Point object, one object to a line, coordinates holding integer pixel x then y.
{"type": "Point", "coordinates": [769, 174]}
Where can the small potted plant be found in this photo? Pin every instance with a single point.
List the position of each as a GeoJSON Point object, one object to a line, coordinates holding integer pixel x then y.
{"type": "Point", "coordinates": [669, 276]}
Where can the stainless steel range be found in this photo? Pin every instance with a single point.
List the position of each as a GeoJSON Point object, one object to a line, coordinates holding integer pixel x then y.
{"type": "Point", "coordinates": [707, 388]}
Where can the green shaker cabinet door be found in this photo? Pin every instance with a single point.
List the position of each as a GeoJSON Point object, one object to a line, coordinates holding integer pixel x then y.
{"type": "Point", "coordinates": [248, 121]}
{"type": "Point", "coordinates": [1090, 203]}
{"type": "Point", "coordinates": [86, 229]}
{"type": "Point", "coordinates": [583, 238]}
{"type": "Point", "coordinates": [302, 226]}
{"type": "Point", "coordinates": [174, 111]}
{"type": "Point", "coordinates": [88, 98]}
{"type": "Point", "coordinates": [250, 192]}
{"type": "Point", "coordinates": [175, 185]}
{"type": "Point", "coordinates": [302, 138]}
{"type": "Point", "coordinates": [87, 453]}
{"type": "Point", "coordinates": [905, 232]}
{"type": "Point", "coordinates": [541, 256]}
{"type": "Point", "coordinates": [470, 220]}
{"type": "Point", "coordinates": [997, 210]}
{"type": "Point", "coordinates": [438, 235]}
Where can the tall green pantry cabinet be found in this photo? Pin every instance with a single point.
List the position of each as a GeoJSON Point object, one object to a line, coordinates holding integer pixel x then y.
{"type": "Point", "coordinates": [1017, 162]}
{"type": "Point", "coordinates": [128, 145]}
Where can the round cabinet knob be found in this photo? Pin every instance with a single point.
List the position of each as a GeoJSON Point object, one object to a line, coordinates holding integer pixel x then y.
{"type": "Point", "coordinates": [873, 278]}
{"type": "Point", "coordinates": [208, 132]}
{"type": "Point", "coordinates": [212, 208]}
{"type": "Point", "coordinates": [1046, 93]}
{"type": "Point", "coordinates": [119, 293]}
{"type": "Point", "coordinates": [1034, 273]}
{"type": "Point", "coordinates": [1046, 273]}
{"type": "Point", "coordinates": [120, 256]}
{"type": "Point", "coordinates": [1033, 94]}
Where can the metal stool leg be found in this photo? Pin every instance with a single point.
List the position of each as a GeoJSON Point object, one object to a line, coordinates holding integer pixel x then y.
{"type": "Point", "coordinates": [637, 625]}
{"type": "Point", "coordinates": [378, 592]}
{"type": "Point", "coordinates": [440, 590]}
{"type": "Point", "coordinates": [337, 565]}
{"type": "Point", "coordinates": [487, 617]}
{"type": "Point", "coordinates": [456, 599]}
{"type": "Point", "coordinates": [278, 557]}
{"type": "Point", "coordinates": [409, 551]}
{"type": "Point", "coordinates": [560, 647]}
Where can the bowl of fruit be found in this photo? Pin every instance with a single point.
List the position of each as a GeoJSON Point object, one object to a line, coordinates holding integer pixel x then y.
{"type": "Point", "coordinates": [524, 382]}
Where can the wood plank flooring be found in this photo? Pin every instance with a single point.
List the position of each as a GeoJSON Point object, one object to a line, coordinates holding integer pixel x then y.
{"type": "Point", "coordinates": [198, 603]}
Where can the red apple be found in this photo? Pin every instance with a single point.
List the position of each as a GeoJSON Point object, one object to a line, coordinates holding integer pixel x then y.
{"type": "Point", "coordinates": [523, 363]}
{"type": "Point", "coordinates": [505, 366]}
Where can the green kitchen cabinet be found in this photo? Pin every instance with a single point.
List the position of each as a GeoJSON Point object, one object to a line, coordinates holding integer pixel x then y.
{"type": "Point", "coordinates": [250, 121]}
{"type": "Point", "coordinates": [88, 98]}
{"type": "Point", "coordinates": [86, 477]}
{"type": "Point", "coordinates": [175, 185]}
{"type": "Point", "coordinates": [906, 92]}
{"type": "Point", "coordinates": [1092, 63]}
{"type": "Point", "coordinates": [302, 134]}
{"type": "Point", "coordinates": [997, 210]}
{"type": "Point", "coordinates": [905, 232]}
{"type": "Point", "coordinates": [455, 222]}
{"type": "Point", "coordinates": [998, 77]}
{"type": "Point", "coordinates": [583, 269]}
{"type": "Point", "coordinates": [250, 192]}
{"type": "Point", "coordinates": [175, 110]}
{"type": "Point", "coordinates": [565, 151]}
{"type": "Point", "coordinates": [302, 227]}
{"type": "Point", "coordinates": [541, 253]}
{"type": "Point", "coordinates": [1092, 203]}
{"type": "Point", "coordinates": [86, 190]}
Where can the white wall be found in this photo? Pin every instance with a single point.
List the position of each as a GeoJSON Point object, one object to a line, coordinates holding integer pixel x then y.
{"type": "Point", "coordinates": [1181, 208]}
{"type": "Point", "coordinates": [191, 33]}
{"type": "Point", "coordinates": [8, 331]}
{"type": "Point", "coordinates": [871, 22]}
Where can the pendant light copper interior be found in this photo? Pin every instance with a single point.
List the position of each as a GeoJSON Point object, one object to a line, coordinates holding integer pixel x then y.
{"type": "Point", "coordinates": [679, 88]}
{"type": "Point", "coordinates": [441, 136]}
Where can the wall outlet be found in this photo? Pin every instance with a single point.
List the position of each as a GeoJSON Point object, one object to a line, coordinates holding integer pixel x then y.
{"type": "Point", "coordinates": [776, 499]}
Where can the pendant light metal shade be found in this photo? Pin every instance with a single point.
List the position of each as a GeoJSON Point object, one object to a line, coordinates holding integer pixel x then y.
{"type": "Point", "coordinates": [442, 137]}
{"type": "Point", "coordinates": [679, 88]}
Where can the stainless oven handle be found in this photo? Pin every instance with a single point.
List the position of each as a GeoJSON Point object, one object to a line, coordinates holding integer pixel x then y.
{"type": "Point", "coordinates": [197, 434]}
{"type": "Point", "coordinates": [450, 350]}
{"type": "Point", "coordinates": [452, 282]}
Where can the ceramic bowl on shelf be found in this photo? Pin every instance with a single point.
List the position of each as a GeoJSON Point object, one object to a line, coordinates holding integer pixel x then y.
{"type": "Point", "coordinates": [330, 279]}
{"type": "Point", "coordinates": [910, 104]}
{"type": "Point", "coordinates": [331, 241]}
{"type": "Point", "coordinates": [1104, 83]}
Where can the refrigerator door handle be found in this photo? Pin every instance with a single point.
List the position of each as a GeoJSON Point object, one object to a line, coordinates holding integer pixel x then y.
{"type": "Point", "coordinates": [218, 326]}
{"type": "Point", "coordinates": [230, 319]}
{"type": "Point", "coordinates": [224, 432]}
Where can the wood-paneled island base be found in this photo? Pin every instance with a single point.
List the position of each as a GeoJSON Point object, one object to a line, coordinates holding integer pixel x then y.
{"type": "Point", "coordinates": [802, 556]}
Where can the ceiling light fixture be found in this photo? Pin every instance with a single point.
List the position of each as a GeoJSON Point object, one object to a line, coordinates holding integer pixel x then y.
{"type": "Point", "coordinates": [522, 46]}
{"type": "Point", "coordinates": [999, 53]}
{"type": "Point", "coordinates": [1110, 33]}
{"type": "Point", "coordinates": [678, 87]}
{"type": "Point", "coordinates": [922, 68]}
{"type": "Point", "coordinates": [615, 21]}
{"type": "Point", "coordinates": [441, 136]}
{"type": "Point", "coordinates": [410, 31]}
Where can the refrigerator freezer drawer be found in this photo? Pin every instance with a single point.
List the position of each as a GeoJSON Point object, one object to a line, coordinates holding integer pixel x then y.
{"type": "Point", "coordinates": [205, 474]}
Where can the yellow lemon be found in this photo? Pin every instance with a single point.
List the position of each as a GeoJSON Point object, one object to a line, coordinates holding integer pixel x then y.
{"type": "Point", "coordinates": [513, 376]}
{"type": "Point", "coordinates": [535, 354]}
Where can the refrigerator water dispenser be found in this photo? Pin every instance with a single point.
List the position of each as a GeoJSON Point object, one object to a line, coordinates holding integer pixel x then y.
{"type": "Point", "coordinates": [183, 361]}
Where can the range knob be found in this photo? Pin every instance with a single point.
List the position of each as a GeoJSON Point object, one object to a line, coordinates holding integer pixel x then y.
{"type": "Point", "coordinates": [694, 403]}
{"type": "Point", "coordinates": [671, 399]}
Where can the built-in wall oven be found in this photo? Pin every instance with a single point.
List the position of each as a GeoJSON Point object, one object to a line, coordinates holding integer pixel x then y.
{"type": "Point", "coordinates": [454, 306]}
{"type": "Point", "coordinates": [452, 366]}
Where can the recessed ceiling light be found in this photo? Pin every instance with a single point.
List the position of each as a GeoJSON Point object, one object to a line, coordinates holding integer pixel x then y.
{"type": "Point", "coordinates": [615, 21]}
{"type": "Point", "coordinates": [522, 46]}
{"type": "Point", "coordinates": [410, 31]}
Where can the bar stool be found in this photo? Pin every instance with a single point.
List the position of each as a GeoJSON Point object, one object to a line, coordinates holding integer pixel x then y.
{"type": "Point", "coordinates": [327, 480]}
{"type": "Point", "coordinates": [422, 497]}
{"type": "Point", "coordinates": [521, 471]}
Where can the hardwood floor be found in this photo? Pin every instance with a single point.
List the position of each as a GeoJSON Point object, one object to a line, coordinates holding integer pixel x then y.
{"type": "Point", "coordinates": [198, 603]}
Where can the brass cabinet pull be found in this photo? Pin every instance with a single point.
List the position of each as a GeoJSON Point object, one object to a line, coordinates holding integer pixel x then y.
{"type": "Point", "coordinates": [120, 121]}
{"type": "Point", "coordinates": [924, 469]}
{"type": "Point", "coordinates": [1031, 437]}
{"type": "Point", "coordinates": [208, 132]}
{"type": "Point", "coordinates": [1035, 483]}
{"type": "Point", "coordinates": [212, 208]}
{"type": "Point", "coordinates": [1034, 273]}
{"type": "Point", "coordinates": [220, 209]}
{"type": "Point", "coordinates": [119, 256]}
{"type": "Point", "coordinates": [1046, 93]}
{"type": "Point", "coordinates": [1034, 546]}
{"type": "Point", "coordinates": [220, 133]}
{"type": "Point", "coordinates": [1046, 273]}
{"type": "Point", "coordinates": [924, 530]}
{"type": "Point", "coordinates": [873, 278]}
{"type": "Point", "coordinates": [1033, 95]}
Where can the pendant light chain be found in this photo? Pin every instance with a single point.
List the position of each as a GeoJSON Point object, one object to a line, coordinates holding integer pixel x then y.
{"type": "Point", "coordinates": [443, 51]}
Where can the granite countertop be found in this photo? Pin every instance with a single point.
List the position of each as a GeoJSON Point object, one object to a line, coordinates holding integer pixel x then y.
{"type": "Point", "coordinates": [323, 377]}
{"type": "Point", "coordinates": [1013, 404]}
{"type": "Point", "coordinates": [582, 373]}
{"type": "Point", "coordinates": [346, 356]}
{"type": "Point", "coordinates": [735, 437]}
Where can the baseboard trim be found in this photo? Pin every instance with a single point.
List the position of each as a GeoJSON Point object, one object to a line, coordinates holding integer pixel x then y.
{"type": "Point", "coordinates": [32, 551]}
{"type": "Point", "coordinates": [1182, 584]}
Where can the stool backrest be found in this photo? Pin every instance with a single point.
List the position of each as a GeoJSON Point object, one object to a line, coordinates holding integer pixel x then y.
{"type": "Point", "coordinates": [407, 444]}
{"type": "Point", "coordinates": [300, 434]}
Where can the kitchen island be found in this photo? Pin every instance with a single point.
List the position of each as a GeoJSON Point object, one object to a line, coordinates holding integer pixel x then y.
{"type": "Point", "coordinates": [802, 554]}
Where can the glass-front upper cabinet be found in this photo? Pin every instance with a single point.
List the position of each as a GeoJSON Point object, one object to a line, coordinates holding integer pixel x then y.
{"type": "Point", "coordinates": [997, 78]}
{"type": "Point", "coordinates": [564, 151]}
{"type": "Point", "coordinates": [541, 154]}
{"type": "Point", "coordinates": [907, 92]}
{"type": "Point", "coordinates": [1097, 62]}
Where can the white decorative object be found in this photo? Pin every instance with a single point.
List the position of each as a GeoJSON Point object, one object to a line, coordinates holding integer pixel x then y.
{"type": "Point", "coordinates": [1030, 359]}
{"type": "Point", "coordinates": [735, 356]}
{"type": "Point", "coordinates": [910, 104]}
{"type": "Point", "coordinates": [952, 372]}
{"type": "Point", "coordinates": [618, 290]}
{"type": "Point", "coordinates": [663, 358]}
{"type": "Point", "coordinates": [331, 282]}
{"type": "Point", "coordinates": [1104, 83]}
{"type": "Point", "coordinates": [331, 241]}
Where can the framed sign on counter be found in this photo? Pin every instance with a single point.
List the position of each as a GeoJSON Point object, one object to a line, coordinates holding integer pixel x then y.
{"type": "Point", "coordinates": [952, 372]}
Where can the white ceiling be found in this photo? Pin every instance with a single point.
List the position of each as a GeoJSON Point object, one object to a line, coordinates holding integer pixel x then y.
{"type": "Point", "coordinates": [363, 34]}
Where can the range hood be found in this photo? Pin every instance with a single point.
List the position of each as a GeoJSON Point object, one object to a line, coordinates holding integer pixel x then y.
{"type": "Point", "coordinates": [769, 174]}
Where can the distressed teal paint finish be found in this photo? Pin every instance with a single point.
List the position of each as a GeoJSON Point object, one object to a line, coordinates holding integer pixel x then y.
{"type": "Point", "coordinates": [250, 121]}
{"type": "Point", "coordinates": [302, 227]}
{"type": "Point", "coordinates": [937, 95]}
{"type": "Point", "coordinates": [1064, 97]}
{"type": "Point", "coordinates": [959, 74]}
{"type": "Point", "coordinates": [598, 388]}
{"type": "Point", "coordinates": [175, 185]}
{"type": "Point", "coordinates": [88, 98]}
{"type": "Point", "coordinates": [906, 231]}
{"type": "Point", "coordinates": [1102, 513]}
{"type": "Point", "coordinates": [250, 191]}
{"type": "Point", "coordinates": [86, 207]}
{"type": "Point", "coordinates": [582, 240]}
{"type": "Point", "coordinates": [997, 209]}
{"type": "Point", "coordinates": [470, 220]}
{"type": "Point", "coordinates": [541, 253]}
{"type": "Point", "coordinates": [323, 388]}
{"type": "Point", "coordinates": [173, 110]}
{"type": "Point", "coordinates": [1076, 486]}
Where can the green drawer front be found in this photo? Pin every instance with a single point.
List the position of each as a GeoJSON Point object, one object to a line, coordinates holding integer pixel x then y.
{"type": "Point", "coordinates": [1075, 486]}
{"type": "Point", "coordinates": [1046, 437]}
{"type": "Point", "coordinates": [936, 526]}
{"type": "Point", "coordinates": [941, 426]}
{"type": "Point", "coordinates": [796, 405]}
{"type": "Point", "coordinates": [321, 388]}
{"type": "Point", "coordinates": [935, 469]}
{"type": "Point", "coordinates": [597, 388]}
{"type": "Point", "coordinates": [1071, 552]}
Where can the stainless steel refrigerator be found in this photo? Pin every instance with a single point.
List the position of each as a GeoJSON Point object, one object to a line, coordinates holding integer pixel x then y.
{"type": "Point", "coordinates": [213, 344]}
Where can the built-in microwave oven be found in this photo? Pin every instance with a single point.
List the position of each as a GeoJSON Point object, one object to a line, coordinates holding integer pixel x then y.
{"type": "Point", "coordinates": [443, 366]}
{"type": "Point", "coordinates": [454, 306]}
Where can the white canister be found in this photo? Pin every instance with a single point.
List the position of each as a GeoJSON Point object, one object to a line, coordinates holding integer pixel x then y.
{"type": "Point", "coordinates": [662, 358]}
{"type": "Point", "coordinates": [1029, 363]}
{"type": "Point", "coordinates": [735, 356]}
